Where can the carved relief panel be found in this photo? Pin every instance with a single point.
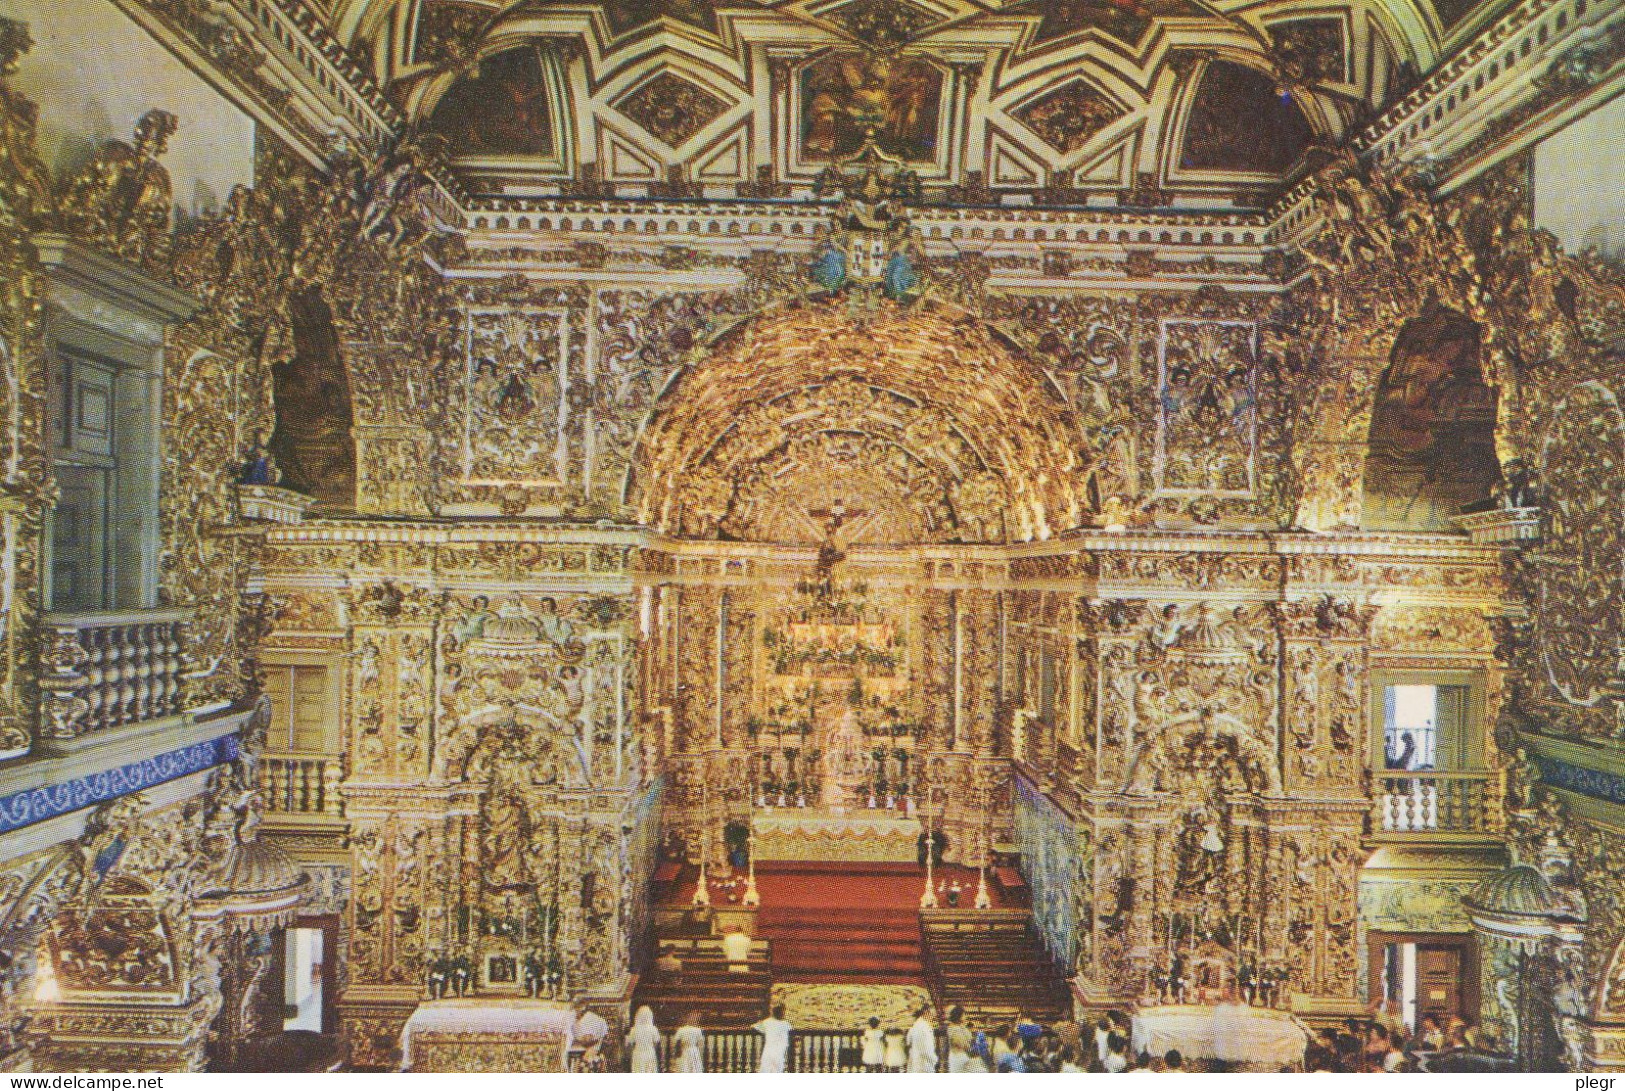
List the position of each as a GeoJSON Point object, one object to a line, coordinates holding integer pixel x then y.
{"type": "Point", "coordinates": [517, 371]}
{"type": "Point", "coordinates": [1580, 570]}
{"type": "Point", "coordinates": [1207, 426]}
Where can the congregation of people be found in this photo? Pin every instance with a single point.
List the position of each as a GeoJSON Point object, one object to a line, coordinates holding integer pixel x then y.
{"type": "Point", "coordinates": [1359, 1045]}
{"type": "Point", "coordinates": [1022, 1046]}
{"type": "Point", "coordinates": [1378, 1045]}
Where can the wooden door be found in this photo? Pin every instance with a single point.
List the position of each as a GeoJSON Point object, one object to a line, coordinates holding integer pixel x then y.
{"type": "Point", "coordinates": [1446, 971]}
{"type": "Point", "coordinates": [1440, 980]}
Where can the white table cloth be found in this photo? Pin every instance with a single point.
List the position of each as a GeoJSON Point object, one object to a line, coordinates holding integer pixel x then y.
{"type": "Point", "coordinates": [480, 1020]}
{"type": "Point", "coordinates": [872, 836]}
{"type": "Point", "coordinates": [1260, 1038]}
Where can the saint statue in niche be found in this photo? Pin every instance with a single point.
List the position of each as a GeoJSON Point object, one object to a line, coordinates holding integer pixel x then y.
{"type": "Point", "coordinates": [504, 836]}
{"type": "Point", "coordinates": [1200, 851]}
{"type": "Point", "coordinates": [844, 761]}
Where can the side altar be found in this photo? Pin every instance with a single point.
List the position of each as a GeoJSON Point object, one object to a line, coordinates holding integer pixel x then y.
{"type": "Point", "coordinates": [835, 836]}
{"type": "Point", "coordinates": [1255, 1039]}
{"type": "Point", "coordinates": [488, 1035]}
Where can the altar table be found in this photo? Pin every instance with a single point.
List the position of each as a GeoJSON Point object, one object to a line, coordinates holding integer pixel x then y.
{"type": "Point", "coordinates": [487, 1035]}
{"type": "Point", "coordinates": [1261, 1039]}
{"type": "Point", "coordinates": [867, 836]}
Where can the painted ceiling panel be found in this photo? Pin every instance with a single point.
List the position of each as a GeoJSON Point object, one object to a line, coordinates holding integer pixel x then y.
{"type": "Point", "coordinates": [928, 81]}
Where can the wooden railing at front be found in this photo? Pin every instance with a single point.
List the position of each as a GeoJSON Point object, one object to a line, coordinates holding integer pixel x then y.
{"type": "Point", "coordinates": [302, 783]}
{"type": "Point", "coordinates": [104, 670]}
{"type": "Point", "coordinates": [810, 1051]}
{"type": "Point", "coordinates": [1436, 802]}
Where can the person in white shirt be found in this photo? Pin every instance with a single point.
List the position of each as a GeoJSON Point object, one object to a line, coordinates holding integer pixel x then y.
{"type": "Point", "coordinates": [922, 1042]}
{"type": "Point", "coordinates": [896, 1056]}
{"type": "Point", "coordinates": [590, 1027]}
{"type": "Point", "coordinates": [775, 1032]}
{"type": "Point", "coordinates": [643, 1041]}
{"type": "Point", "coordinates": [1116, 1054]}
{"type": "Point", "coordinates": [874, 1046]}
{"type": "Point", "coordinates": [736, 945]}
{"type": "Point", "coordinates": [1103, 1031]}
{"type": "Point", "coordinates": [690, 1043]}
{"type": "Point", "coordinates": [960, 1040]}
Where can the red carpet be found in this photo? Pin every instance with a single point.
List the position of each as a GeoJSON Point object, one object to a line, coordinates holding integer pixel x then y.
{"type": "Point", "coordinates": [845, 923]}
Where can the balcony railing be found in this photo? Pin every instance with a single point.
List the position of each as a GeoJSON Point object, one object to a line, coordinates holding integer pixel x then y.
{"type": "Point", "coordinates": [1436, 802]}
{"type": "Point", "coordinates": [104, 670]}
{"type": "Point", "coordinates": [810, 1051]}
{"type": "Point", "coordinates": [301, 783]}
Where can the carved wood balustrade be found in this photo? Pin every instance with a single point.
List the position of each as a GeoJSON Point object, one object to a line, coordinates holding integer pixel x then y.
{"type": "Point", "coordinates": [302, 783]}
{"type": "Point", "coordinates": [105, 670]}
{"type": "Point", "coordinates": [810, 1051]}
{"type": "Point", "coordinates": [1435, 802]}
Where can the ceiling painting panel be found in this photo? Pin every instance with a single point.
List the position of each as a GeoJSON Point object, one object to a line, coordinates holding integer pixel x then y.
{"type": "Point", "coordinates": [845, 96]}
{"type": "Point", "coordinates": [501, 108]}
{"type": "Point", "coordinates": [1227, 99]}
{"type": "Point", "coordinates": [671, 108]}
{"type": "Point", "coordinates": [1068, 118]}
{"type": "Point", "coordinates": [1239, 120]}
{"type": "Point", "coordinates": [1311, 50]}
{"type": "Point", "coordinates": [1126, 20]}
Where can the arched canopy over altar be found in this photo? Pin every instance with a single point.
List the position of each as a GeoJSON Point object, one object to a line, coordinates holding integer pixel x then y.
{"type": "Point", "coordinates": [823, 641]}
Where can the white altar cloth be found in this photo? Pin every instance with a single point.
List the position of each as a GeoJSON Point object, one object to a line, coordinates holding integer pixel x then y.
{"type": "Point", "coordinates": [1263, 1039]}
{"type": "Point", "coordinates": [806, 834]}
{"type": "Point", "coordinates": [537, 1029]}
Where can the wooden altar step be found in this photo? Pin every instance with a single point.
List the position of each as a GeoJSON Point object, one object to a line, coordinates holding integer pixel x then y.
{"type": "Point", "coordinates": [834, 945]}
{"type": "Point", "coordinates": [994, 965]}
{"type": "Point", "coordinates": [723, 999]}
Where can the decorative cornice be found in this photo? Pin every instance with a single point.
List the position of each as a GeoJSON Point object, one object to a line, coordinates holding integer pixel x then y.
{"type": "Point", "coordinates": [71, 263]}
{"type": "Point", "coordinates": [1454, 104]}
{"type": "Point", "coordinates": [294, 77]}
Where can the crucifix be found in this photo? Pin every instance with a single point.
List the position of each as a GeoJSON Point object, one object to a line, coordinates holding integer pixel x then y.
{"type": "Point", "coordinates": [830, 553]}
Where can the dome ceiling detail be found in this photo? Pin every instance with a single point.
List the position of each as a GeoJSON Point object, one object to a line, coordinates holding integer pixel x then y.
{"type": "Point", "coordinates": [1146, 102]}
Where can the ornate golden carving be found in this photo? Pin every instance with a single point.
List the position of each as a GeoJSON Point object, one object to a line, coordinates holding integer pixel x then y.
{"type": "Point", "coordinates": [121, 200]}
{"type": "Point", "coordinates": [813, 345]}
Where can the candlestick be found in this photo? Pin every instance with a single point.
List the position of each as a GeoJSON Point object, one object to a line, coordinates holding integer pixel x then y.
{"type": "Point", "coordinates": [928, 900]}
{"type": "Point", "coordinates": [751, 895]}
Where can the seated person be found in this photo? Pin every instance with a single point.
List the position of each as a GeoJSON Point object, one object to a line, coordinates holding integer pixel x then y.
{"type": "Point", "coordinates": [736, 945]}
{"type": "Point", "coordinates": [590, 1027]}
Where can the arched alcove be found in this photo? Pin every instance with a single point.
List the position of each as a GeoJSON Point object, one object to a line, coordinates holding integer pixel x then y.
{"type": "Point", "coordinates": [313, 443]}
{"type": "Point", "coordinates": [920, 422]}
{"type": "Point", "coordinates": [1431, 449]}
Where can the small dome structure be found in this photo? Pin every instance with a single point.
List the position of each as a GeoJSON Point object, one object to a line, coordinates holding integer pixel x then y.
{"type": "Point", "coordinates": [259, 886]}
{"type": "Point", "coordinates": [1520, 904]}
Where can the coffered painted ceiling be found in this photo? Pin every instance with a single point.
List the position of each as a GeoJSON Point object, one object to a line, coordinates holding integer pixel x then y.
{"type": "Point", "coordinates": [1139, 102]}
